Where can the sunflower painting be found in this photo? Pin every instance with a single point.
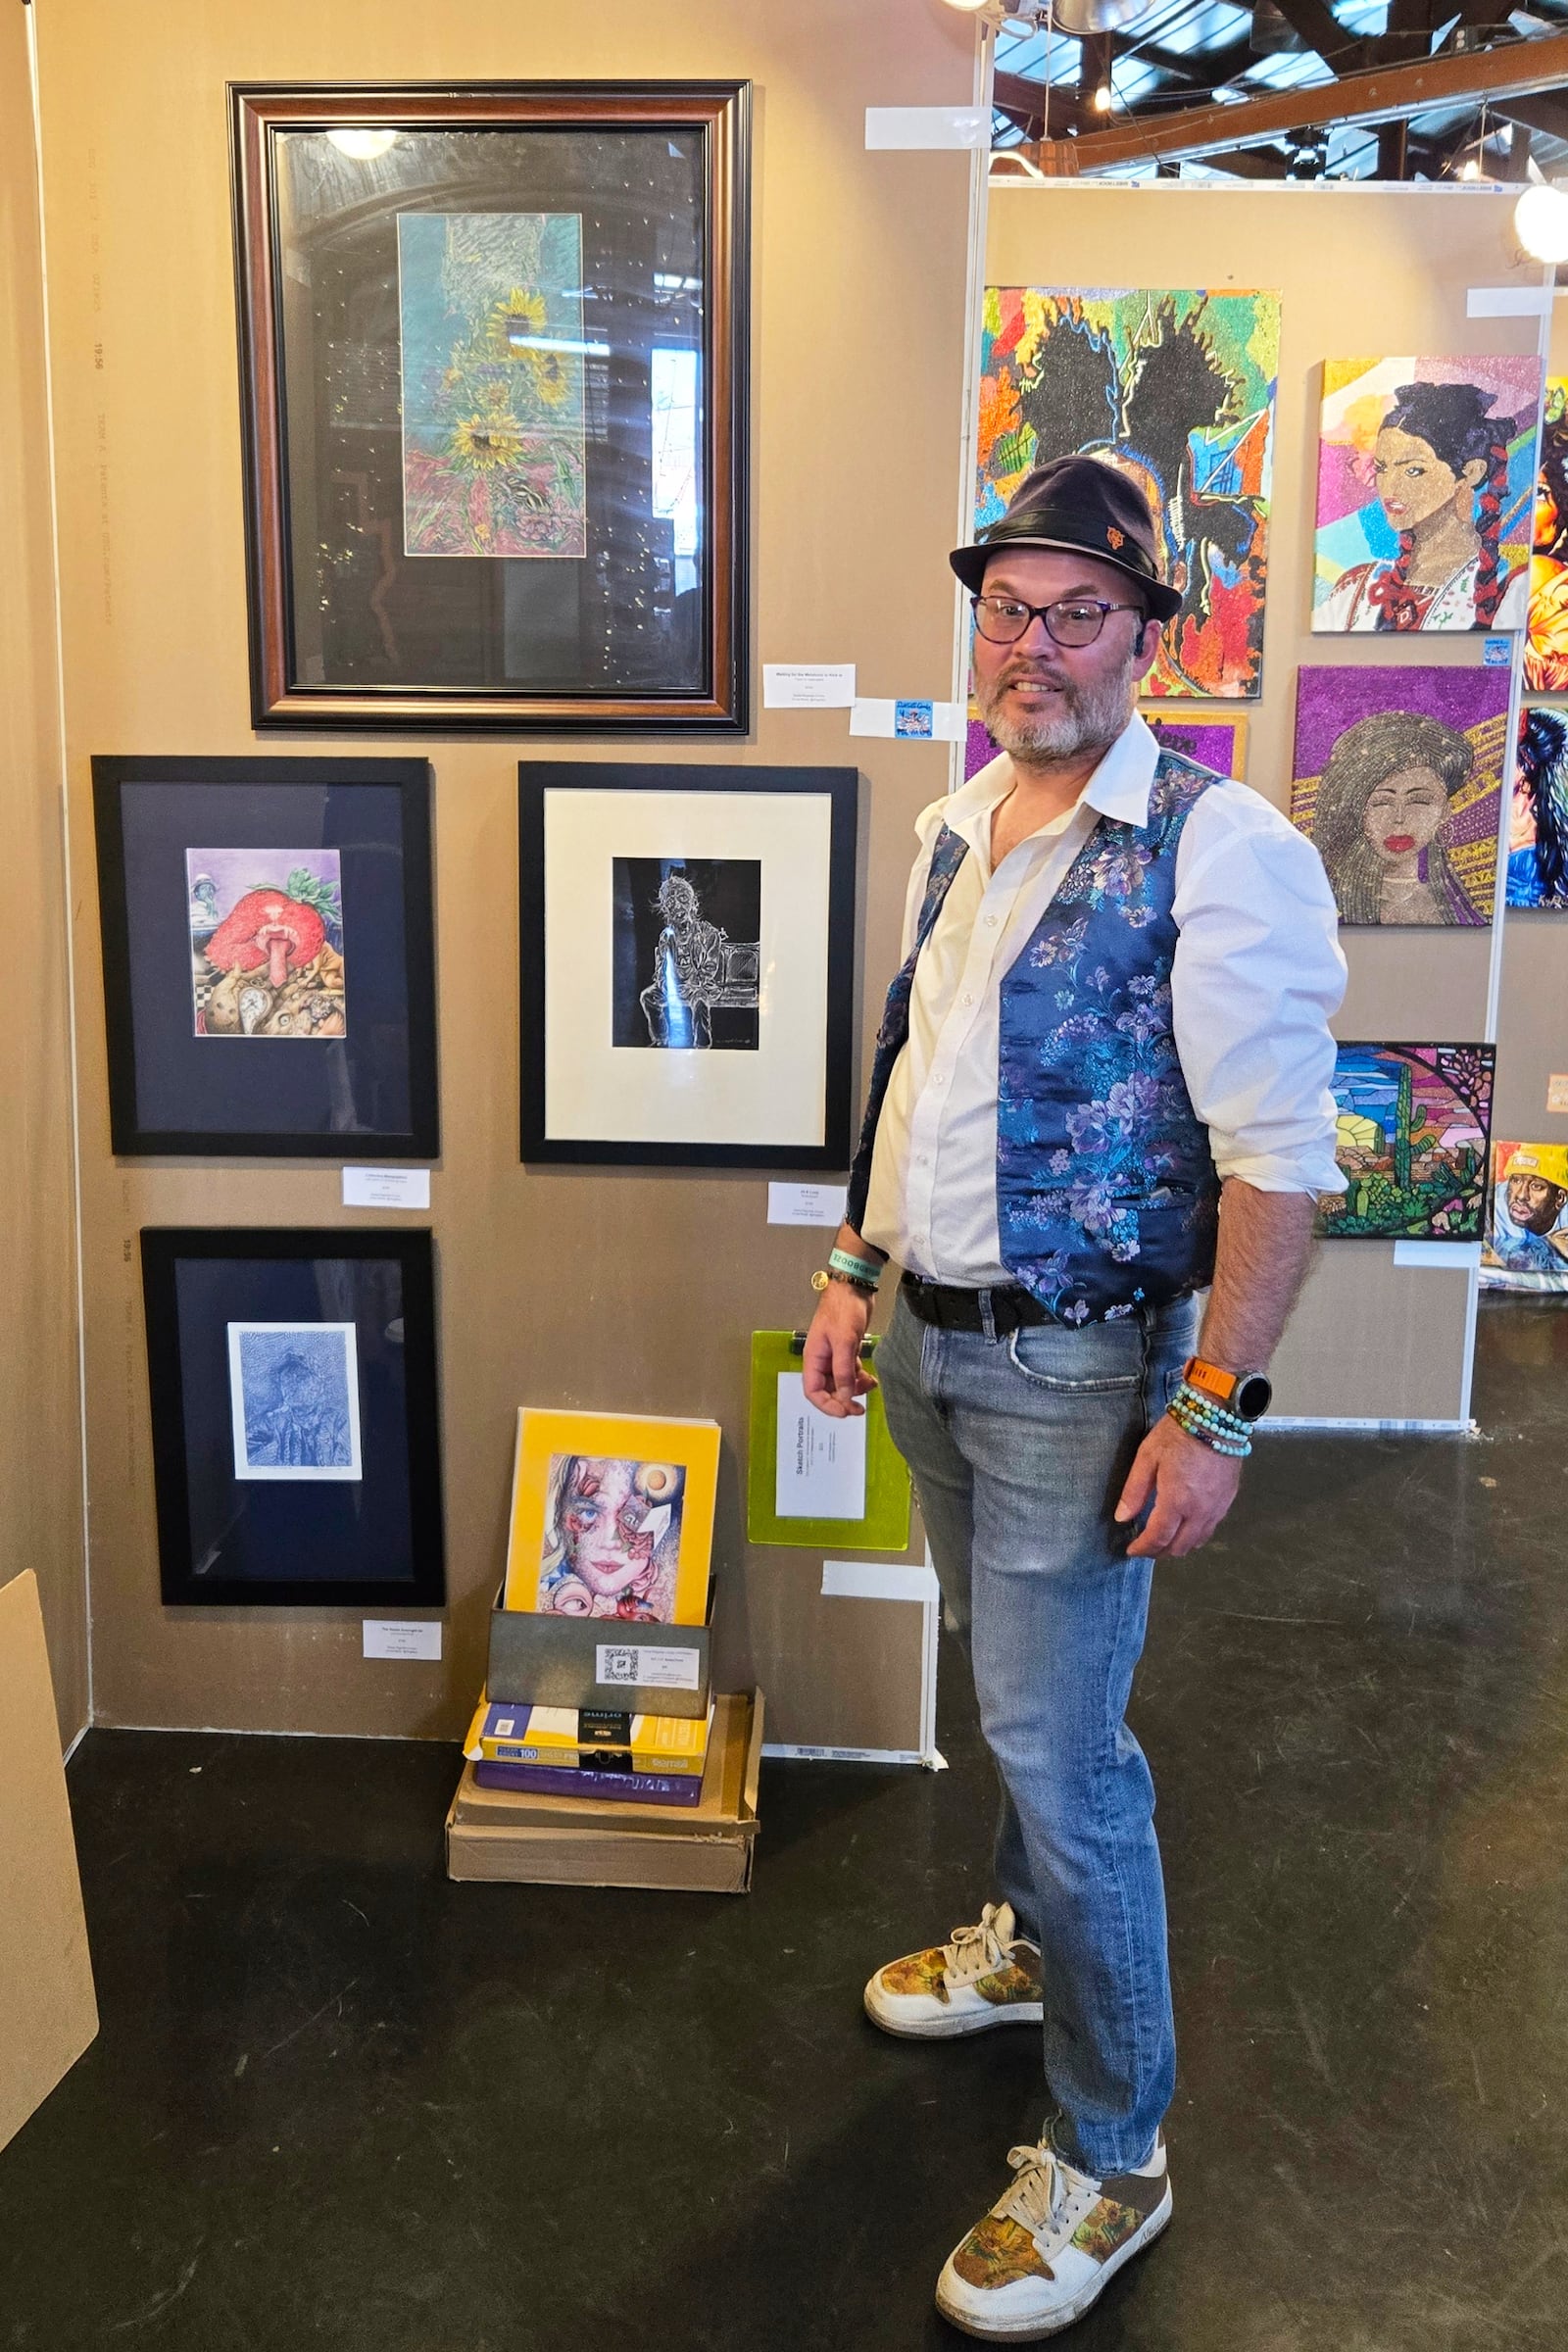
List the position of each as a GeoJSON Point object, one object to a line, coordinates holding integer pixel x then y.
{"type": "Point", "coordinates": [493, 438]}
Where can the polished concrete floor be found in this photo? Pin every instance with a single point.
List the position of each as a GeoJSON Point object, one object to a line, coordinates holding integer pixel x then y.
{"type": "Point", "coordinates": [338, 2102]}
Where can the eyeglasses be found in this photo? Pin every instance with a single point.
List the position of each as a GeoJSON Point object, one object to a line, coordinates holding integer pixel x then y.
{"type": "Point", "coordinates": [1074, 620]}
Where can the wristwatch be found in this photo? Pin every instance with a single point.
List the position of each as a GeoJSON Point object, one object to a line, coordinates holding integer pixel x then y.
{"type": "Point", "coordinates": [1247, 1395]}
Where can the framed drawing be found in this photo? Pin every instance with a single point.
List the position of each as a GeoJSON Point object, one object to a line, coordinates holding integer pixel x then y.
{"type": "Point", "coordinates": [613, 1516]}
{"type": "Point", "coordinates": [296, 1444]}
{"type": "Point", "coordinates": [269, 958]}
{"type": "Point", "coordinates": [1398, 781]}
{"type": "Point", "coordinates": [1412, 1134]}
{"type": "Point", "coordinates": [688, 965]}
{"type": "Point", "coordinates": [494, 359]}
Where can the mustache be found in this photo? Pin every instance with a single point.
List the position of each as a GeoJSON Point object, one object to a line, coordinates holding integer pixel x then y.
{"type": "Point", "coordinates": [1032, 674]}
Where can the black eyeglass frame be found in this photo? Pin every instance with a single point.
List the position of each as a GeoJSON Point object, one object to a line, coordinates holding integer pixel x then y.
{"type": "Point", "coordinates": [1042, 613]}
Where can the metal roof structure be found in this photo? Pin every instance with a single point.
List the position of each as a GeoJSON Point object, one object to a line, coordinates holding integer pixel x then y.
{"type": "Point", "coordinates": [1166, 57]}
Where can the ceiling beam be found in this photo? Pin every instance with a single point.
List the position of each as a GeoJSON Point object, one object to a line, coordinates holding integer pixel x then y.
{"type": "Point", "coordinates": [1254, 163]}
{"type": "Point", "coordinates": [1386, 94]}
{"type": "Point", "coordinates": [1545, 112]}
{"type": "Point", "coordinates": [1023, 100]}
{"type": "Point", "coordinates": [1321, 30]}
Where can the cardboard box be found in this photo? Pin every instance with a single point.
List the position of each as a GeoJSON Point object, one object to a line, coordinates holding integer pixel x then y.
{"type": "Point", "coordinates": [546, 1661]}
{"type": "Point", "coordinates": [46, 1992]}
{"type": "Point", "coordinates": [496, 1834]}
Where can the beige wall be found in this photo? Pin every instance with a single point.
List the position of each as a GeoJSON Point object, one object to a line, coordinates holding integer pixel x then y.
{"type": "Point", "coordinates": [633, 1290]}
{"type": "Point", "coordinates": [40, 1423]}
{"type": "Point", "coordinates": [1361, 270]}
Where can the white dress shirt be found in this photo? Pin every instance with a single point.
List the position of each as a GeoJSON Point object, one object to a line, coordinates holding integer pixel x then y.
{"type": "Point", "coordinates": [1257, 974]}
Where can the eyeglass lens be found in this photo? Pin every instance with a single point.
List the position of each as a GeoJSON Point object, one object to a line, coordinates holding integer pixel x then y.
{"type": "Point", "coordinates": [1004, 619]}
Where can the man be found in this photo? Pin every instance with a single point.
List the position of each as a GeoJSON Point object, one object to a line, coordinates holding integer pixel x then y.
{"type": "Point", "coordinates": [1526, 1237]}
{"type": "Point", "coordinates": [1101, 1085]}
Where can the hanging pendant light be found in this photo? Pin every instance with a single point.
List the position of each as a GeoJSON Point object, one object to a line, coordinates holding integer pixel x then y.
{"type": "Point", "coordinates": [1080, 18]}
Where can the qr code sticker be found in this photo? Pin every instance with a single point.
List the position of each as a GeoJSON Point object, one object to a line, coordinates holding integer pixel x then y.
{"type": "Point", "coordinates": [618, 1665]}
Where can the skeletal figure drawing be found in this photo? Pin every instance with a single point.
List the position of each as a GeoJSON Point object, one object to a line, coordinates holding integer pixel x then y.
{"type": "Point", "coordinates": [697, 968]}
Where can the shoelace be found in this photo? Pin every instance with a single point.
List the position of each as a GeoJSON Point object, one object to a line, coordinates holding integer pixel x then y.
{"type": "Point", "coordinates": [975, 1951]}
{"type": "Point", "coordinates": [1040, 2196]}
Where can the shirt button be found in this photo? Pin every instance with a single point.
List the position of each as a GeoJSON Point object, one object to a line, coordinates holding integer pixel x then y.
{"type": "Point", "coordinates": [990, 922]}
{"type": "Point", "coordinates": [967, 999]}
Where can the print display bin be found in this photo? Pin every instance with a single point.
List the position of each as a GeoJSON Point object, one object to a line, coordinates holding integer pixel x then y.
{"type": "Point", "coordinates": [541, 1660]}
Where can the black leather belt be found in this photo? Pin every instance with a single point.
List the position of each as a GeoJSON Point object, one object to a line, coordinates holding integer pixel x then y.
{"type": "Point", "coordinates": [955, 1309]}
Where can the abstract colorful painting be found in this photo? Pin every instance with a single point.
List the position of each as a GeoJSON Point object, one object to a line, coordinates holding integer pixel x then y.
{"type": "Point", "coordinates": [1399, 780]}
{"type": "Point", "coordinates": [1412, 1142]}
{"type": "Point", "coordinates": [267, 943]}
{"type": "Point", "coordinates": [1217, 743]}
{"type": "Point", "coordinates": [1546, 644]}
{"type": "Point", "coordinates": [1525, 1248]}
{"type": "Point", "coordinates": [1425, 489]}
{"type": "Point", "coordinates": [494, 457]}
{"type": "Point", "coordinates": [1177, 389]}
{"type": "Point", "coordinates": [1537, 818]}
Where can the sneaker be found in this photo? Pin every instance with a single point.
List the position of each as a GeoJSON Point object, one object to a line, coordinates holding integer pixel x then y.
{"type": "Point", "coordinates": [1049, 2246]}
{"type": "Point", "coordinates": [987, 1974]}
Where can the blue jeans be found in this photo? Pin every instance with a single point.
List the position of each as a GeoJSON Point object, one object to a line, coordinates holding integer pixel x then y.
{"type": "Point", "coordinates": [1019, 1447]}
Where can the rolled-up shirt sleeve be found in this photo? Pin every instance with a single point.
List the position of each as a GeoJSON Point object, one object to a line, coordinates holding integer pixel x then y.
{"type": "Point", "coordinates": [1258, 977]}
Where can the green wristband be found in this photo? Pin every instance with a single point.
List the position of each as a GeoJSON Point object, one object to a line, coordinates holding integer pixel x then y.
{"type": "Point", "coordinates": [858, 1269]}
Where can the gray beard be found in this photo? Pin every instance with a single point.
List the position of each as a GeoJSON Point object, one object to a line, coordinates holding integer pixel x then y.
{"type": "Point", "coordinates": [1090, 716]}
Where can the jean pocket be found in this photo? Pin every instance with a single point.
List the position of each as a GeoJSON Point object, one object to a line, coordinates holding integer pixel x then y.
{"type": "Point", "coordinates": [1093, 1361]}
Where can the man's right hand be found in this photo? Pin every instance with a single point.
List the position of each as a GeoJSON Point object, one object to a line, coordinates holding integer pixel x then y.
{"type": "Point", "coordinates": [835, 1378]}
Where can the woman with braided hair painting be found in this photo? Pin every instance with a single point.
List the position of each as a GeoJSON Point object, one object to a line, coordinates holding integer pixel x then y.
{"type": "Point", "coordinates": [1440, 466]}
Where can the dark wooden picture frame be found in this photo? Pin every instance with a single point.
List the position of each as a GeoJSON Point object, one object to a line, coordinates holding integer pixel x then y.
{"type": "Point", "coordinates": [396, 1495]}
{"type": "Point", "coordinates": [146, 1024]}
{"type": "Point", "coordinates": [830, 1147]}
{"type": "Point", "coordinates": [691, 668]}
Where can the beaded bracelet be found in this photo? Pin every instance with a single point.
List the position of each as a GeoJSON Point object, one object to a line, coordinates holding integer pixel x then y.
{"type": "Point", "coordinates": [1200, 1417]}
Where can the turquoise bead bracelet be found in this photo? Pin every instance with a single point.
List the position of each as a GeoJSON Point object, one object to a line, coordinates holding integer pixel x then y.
{"type": "Point", "coordinates": [1202, 1418]}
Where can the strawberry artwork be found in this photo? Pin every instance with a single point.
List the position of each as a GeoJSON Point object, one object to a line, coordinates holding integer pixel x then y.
{"type": "Point", "coordinates": [267, 943]}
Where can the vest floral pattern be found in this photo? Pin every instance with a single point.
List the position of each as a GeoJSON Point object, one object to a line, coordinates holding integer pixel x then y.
{"type": "Point", "coordinates": [1107, 1193]}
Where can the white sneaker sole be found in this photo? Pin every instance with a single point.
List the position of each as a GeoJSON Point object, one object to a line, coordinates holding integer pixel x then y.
{"type": "Point", "coordinates": [1024, 2331]}
{"type": "Point", "coordinates": [954, 2027]}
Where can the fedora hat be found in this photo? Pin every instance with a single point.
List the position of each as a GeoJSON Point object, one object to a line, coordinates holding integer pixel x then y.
{"type": "Point", "coordinates": [1084, 505]}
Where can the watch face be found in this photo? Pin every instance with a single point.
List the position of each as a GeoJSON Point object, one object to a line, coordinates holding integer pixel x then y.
{"type": "Point", "coordinates": [1252, 1397]}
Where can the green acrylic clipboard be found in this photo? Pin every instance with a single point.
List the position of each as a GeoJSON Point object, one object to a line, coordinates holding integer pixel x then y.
{"type": "Point", "coordinates": [885, 1524]}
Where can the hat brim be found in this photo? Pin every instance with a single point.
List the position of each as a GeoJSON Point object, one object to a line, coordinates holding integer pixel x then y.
{"type": "Point", "coordinates": [969, 562]}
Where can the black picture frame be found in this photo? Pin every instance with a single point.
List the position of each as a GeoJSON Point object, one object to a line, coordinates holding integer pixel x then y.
{"type": "Point", "coordinates": [369, 1092]}
{"type": "Point", "coordinates": [828, 982]}
{"type": "Point", "coordinates": [360, 463]}
{"type": "Point", "coordinates": [220, 1532]}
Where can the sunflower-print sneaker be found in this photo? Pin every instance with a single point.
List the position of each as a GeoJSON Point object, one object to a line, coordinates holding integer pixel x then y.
{"type": "Point", "coordinates": [987, 1975]}
{"type": "Point", "coordinates": [1049, 2244]}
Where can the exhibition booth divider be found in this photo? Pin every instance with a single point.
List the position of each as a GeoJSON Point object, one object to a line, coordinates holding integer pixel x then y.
{"type": "Point", "coordinates": [415, 734]}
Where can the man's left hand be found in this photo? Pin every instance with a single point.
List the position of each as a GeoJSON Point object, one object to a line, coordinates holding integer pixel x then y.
{"type": "Point", "coordinates": [1189, 1483]}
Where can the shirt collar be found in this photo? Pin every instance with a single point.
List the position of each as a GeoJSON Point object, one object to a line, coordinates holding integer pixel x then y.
{"type": "Point", "coordinates": [1118, 788]}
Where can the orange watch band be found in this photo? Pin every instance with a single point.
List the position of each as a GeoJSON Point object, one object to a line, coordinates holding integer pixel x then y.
{"type": "Point", "coordinates": [1221, 1386]}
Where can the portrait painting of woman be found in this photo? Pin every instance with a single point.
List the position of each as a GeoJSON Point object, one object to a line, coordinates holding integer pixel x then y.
{"type": "Point", "coordinates": [611, 1539]}
{"type": "Point", "coordinates": [1426, 483]}
{"type": "Point", "coordinates": [611, 1515]}
{"type": "Point", "coordinates": [1399, 774]}
{"type": "Point", "coordinates": [1537, 818]}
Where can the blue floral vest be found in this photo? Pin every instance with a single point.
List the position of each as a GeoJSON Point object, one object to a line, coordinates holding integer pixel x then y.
{"type": "Point", "coordinates": [1106, 1195]}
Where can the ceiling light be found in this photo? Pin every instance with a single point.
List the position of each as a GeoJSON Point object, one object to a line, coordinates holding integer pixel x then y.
{"type": "Point", "coordinates": [362, 145]}
{"type": "Point", "coordinates": [1541, 221]}
{"type": "Point", "coordinates": [1470, 168]}
{"type": "Point", "coordinates": [1080, 18]}
{"type": "Point", "coordinates": [1102, 99]}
